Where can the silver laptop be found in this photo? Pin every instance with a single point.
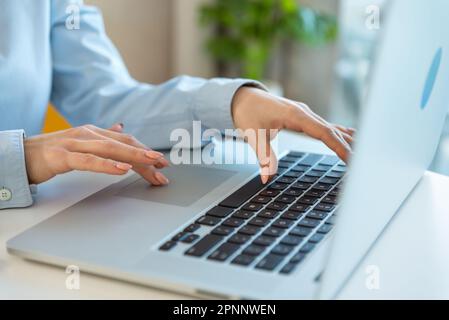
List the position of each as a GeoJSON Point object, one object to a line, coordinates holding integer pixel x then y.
{"type": "Point", "coordinates": [216, 231]}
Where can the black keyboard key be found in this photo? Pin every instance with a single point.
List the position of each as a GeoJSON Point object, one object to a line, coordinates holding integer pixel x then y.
{"type": "Point", "coordinates": [296, 154]}
{"type": "Point", "coordinates": [293, 174]}
{"type": "Point", "coordinates": [308, 223]}
{"type": "Point", "coordinates": [335, 174]}
{"type": "Point", "coordinates": [273, 232]}
{"type": "Point", "coordinates": [243, 260]}
{"type": "Point", "coordinates": [219, 212]}
{"type": "Point", "coordinates": [269, 193]}
{"type": "Point", "coordinates": [286, 180]}
{"type": "Point", "coordinates": [307, 247]}
{"type": "Point", "coordinates": [288, 268]}
{"type": "Point", "coordinates": [284, 165]}
{"type": "Point", "coordinates": [277, 206]}
{"type": "Point", "coordinates": [269, 262]}
{"type": "Point", "coordinates": [300, 231]}
{"type": "Point", "coordinates": [321, 167]}
{"type": "Point", "coordinates": [289, 159]}
{"type": "Point", "coordinates": [258, 222]}
{"type": "Point", "coordinates": [224, 252]}
{"type": "Point", "coordinates": [208, 221]}
{"type": "Point", "coordinates": [300, 168]}
{"type": "Point", "coordinates": [204, 245]}
{"type": "Point", "coordinates": [264, 241]}
{"type": "Point", "coordinates": [249, 230]}
{"type": "Point", "coordinates": [261, 200]}
{"type": "Point", "coordinates": [268, 214]}
{"type": "Point", "coordinates": [239, 238]}
{"type": "Point", "coordinates": [315, 193]}
{"type": "Point", "coordinates": [326, 228]}
{"type": "Point", "coordinates": [334, 192]}
{"type": "Point", "coordinates": [330, 160]}
{"type": "Point", "coordinates": [301, 185]}
{"type": "Point", "coordinates": [222, 231]}
{"type": "Point", "coordinates": [310, 160]}
{"type": "Point", "coordinates": [307, 179]}
{"type": "Point", "coordinates": [253, 250]}
{"type": "Point", "coordinates": [291, 215]}
{"type": "Point", "coordinates": [325, 207]}
{"type": "Point", "coordinates": [318, 215]}
{"type": "Point", "coordinates": [299, 207]}
{"type": "Point", "coordinates": [240, 196]}
{"type": "Point", "coordinates": [282, 223]}
{"type": "Point", "coordinates": [315, 173]}
{"type": "Point", "coordinates": [285, 199]}
{"type": "Point", "coordinates": [307, 200]}
{"type": "Point", "coordinates": [168, 246]}
{"type": "Point", "coordinates": [328, 180]}
{"type": "Point", "coordinates": [242, 214]}
{"type": "Point", "coordinates": [233, 222]}
{"type": "Point", "coordinates": [297, 258]}
{"type": "Point", "coordinates": [322, 187]}
{"type": "Point", "coordinates": [282, 250]}
{"type": "Point", "coordinates": [290, 240]}
{"type": "Point", "coordinates": [316, 238]}
{"type": "Point", "coordinates": [278, 186]}
{"type": "Point", "coordinates": [339, 169]}
{"type": "Point", "coordinates": [192, 228]}
{"type": "Point", "coordinates": [330, 199]}
{"type": "Point", "coordinates": [179, 236]}
{"type": "Point", "coordinates": [190, 238]}
{"type": "Point", "coordinates": [252, 207]}
{"type": "Point", "coordinates": [293, 192]}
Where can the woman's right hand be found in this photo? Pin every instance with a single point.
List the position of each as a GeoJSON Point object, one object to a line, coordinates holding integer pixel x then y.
{"type": "Point", "coordinates": [89, 148]}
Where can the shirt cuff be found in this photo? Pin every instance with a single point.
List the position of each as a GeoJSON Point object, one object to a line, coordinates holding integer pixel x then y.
{"type": "Point", "coordinates": [213, 102]}
{"type": "Point", "coordinates": [14, 187]}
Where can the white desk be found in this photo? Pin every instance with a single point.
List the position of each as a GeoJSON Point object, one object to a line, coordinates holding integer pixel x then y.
{"type": "Point", "coordinates": [412, 255]}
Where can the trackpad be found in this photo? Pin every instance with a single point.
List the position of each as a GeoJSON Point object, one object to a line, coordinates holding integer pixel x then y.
{"type": "Point", "coordinates": [187, 185]}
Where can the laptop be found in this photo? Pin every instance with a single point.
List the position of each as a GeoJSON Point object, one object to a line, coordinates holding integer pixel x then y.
{"type": "Point", "coordinates": [217, 232]}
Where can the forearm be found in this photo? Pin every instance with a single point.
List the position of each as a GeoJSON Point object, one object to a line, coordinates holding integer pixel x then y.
{"type": "Point", "coordinates": [14, 187]}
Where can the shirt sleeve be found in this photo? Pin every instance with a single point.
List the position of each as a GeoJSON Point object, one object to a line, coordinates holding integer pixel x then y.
{"type": "Point", "coordinates": [92, 85]}
{"type": "Point", "coordinates": [14, 187]}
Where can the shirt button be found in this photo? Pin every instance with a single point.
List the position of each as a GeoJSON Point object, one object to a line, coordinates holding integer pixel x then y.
{"type": "Point", "coordinates": [5, 194]}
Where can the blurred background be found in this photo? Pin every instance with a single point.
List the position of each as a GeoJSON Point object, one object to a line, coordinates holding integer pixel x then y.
{"type": "Point", "coordinates": [315, 51]}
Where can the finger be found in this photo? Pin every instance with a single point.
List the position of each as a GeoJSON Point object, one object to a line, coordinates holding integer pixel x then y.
{"type": "Point", "coordinates": [150, 174]}
{"type": "Point", "coordinates": [115, 150]}
{"type": "Point", "coordinates": [349, 131]}
{"type": "Point", "coordinates": [129, 140]}
{"type": "Point", "coordinates": [89, 162]}
{"type": "Point", "coordinates": [349, 139]}
{"type": "Point", "coordinates": [260, 142]}
{"type": "Point", "coordinates": [303, 121]}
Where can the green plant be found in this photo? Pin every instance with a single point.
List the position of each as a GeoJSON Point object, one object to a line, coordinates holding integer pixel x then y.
{"type": "Point", "coordinates": [247, 31]}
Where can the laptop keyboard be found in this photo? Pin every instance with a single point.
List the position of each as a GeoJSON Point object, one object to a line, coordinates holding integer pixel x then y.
{"type": "Point", "coordinates": [270, 227]}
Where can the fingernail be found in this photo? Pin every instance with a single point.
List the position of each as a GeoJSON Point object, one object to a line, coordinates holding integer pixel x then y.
{"type": "Point", "coordinates": [162, 179]}
{"type": "Point", "coordinates": [123, 166]}
{"type": "Point", "coordinates": [154, 155]}
{"type": "Point", "coordinates": [265, 174]}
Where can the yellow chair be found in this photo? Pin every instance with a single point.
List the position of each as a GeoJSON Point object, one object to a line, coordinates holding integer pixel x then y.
{"type": "Point", "coordinates": [54, 121]}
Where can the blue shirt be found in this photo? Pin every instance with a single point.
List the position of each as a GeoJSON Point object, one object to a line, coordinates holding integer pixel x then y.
{"type": "Point", "coordinates": [44, 59]}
